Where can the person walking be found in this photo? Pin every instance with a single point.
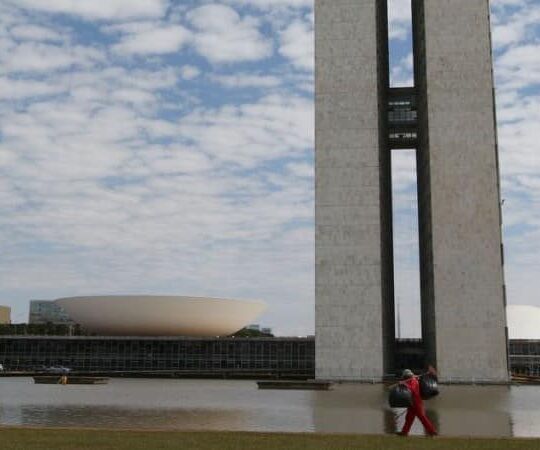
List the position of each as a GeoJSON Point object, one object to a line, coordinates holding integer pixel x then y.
{"type": "Point", "coordinates": [417, 408]}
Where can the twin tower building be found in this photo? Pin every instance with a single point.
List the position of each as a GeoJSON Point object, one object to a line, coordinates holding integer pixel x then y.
{"type": "Point", "coordinates": [448, 117]}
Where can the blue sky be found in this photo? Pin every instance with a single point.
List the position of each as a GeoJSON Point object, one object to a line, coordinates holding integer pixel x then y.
{"type": "Point", "coordinates": [159, 146]}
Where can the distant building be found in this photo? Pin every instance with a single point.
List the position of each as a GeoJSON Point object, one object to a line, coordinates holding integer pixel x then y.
{"type": "Point", "coordinates": [219, 357]}
{"type": "Point", "coordinates": [254, 327]}
{"type": "Point", "coordinates": [5, 315]}
{"type": "Point", "coordinates": [210, 357]}
{"type": "Point", "coordinates": [46, 311]}
{"type": "Point", "coordinates": [266, 330]}
{"type": "Point", "coordinates": [160, 315]}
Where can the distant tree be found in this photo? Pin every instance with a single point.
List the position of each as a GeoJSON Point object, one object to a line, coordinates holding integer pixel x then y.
{"type": "Point", "coordinates": [244, 332]}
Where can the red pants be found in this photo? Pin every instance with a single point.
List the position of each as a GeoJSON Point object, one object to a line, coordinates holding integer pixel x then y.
{"type": "Point", "coordinates": [415, 411]}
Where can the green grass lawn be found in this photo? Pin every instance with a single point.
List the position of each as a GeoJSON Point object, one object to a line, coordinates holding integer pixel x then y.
{"type": "Point", "coordinates": [54, 439]}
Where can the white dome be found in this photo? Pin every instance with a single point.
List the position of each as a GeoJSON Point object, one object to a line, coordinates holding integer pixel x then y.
{"type": "Point", "coordinates": [149, 315]}
{"type": "Point", "coordinates": [523, 321]}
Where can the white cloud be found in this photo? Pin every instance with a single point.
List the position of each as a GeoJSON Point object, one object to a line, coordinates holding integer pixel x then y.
{"type": "Point", "coordinates": [189, 72]}
{"type": "Point", "coordinates": [302, 170]}
{"type": "Point", "coordinates": [36, 33]}
{"type": "Point", "coordinates": [157, 40]}
{"type": "Point", "coordinates": [224, 37]}
{"type": "Point", "coordinates": [506, 34]}
{"type": "Point", "coordinates": [115, 175]}
{"type": "Point", "coordinates": [39, 57]}
{"type": "Point", "coordinates": [508, 3]}
{"type": "Point", "coordinates": [401, 74]}
{"type": "Point", "coordinates": [100, 10]}
{"type": "Point", "coordinates": [272, 128]}
{"type": "Point", "coordinates": [267, 4]}
{"type": "Point", "coordinates": [246, 80]}
{"type": "Point", "coordinates": [82, 174]}
{"type": "Point", "coordinates": [519, 67]}
{"type": "Point", "coordinates": [399, 18]}
{"type": "Point", "coordinates": [518, 136]}
{"type": "Point", "coordinates": [297, 44]}
{"type": "Point", "coordinates": [11, 89]}
{"type": "Point", "coordinates": [518, 26]}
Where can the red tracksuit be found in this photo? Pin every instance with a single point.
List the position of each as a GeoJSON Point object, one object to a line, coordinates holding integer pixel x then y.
{"type": "Point", "coordinates": [417, 409]}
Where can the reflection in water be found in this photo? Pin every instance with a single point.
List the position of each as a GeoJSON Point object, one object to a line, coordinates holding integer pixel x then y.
{"type": "Point", "coordinates": [163, 404]}
{"type": "Point", "coordinates": [361, 409]}
{"type": "Point", "coordinates": [474, 410]}
{"type": "Point", "coordinates": [433, 415]}
{"type": "Point", "coordinates": [395, 419]}
{"type": "Point", "coordinates": [238, 405]}
{"type": "Point", "coordinates": [525, 411]}
{"type": "Point", "coordinates": [391, 418]}
{"type": "Point", "coordinates": [102, 416]}
{"type": "Point", "coordinates": [350, 408]}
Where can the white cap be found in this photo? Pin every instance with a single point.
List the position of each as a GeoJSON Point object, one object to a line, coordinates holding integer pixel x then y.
{"type": "Point", "coordinates": [407, 373]}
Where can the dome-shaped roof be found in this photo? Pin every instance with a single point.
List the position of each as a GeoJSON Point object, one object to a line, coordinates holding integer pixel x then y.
{"type": "Point", "coordinates": [150, 315]}
{"type": "Point", "coordinates": [523, 321]}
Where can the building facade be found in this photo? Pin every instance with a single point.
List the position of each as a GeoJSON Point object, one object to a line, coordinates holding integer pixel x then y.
{"type": "Point", "coordinates": [5, 315]}
{"type": "Point", "coordinates": [46, 311]}
{"type": "Point", "coordinates": [448, 117]}
{"type": "Point", "coordinates": [195, 357]}
{"type": "Point", "coordinates": [212, 357]}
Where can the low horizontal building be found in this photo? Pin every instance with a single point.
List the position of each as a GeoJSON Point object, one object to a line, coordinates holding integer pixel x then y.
{"type": "Point", "coordinates": [525, 356]}
{"type": "Point", "coordinates": [208, 357]}
{"type": "Point", "coordinates": [219, 357]}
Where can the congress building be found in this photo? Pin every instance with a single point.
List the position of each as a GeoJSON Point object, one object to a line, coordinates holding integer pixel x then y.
{"type": "Point", "coordinates": [448, 117]}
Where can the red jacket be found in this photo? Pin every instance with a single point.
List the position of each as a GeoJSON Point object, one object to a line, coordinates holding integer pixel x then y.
{"type": "Point", "coordinates": [414, 387]}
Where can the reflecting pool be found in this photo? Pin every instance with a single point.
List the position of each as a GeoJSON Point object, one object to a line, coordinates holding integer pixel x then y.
{"type": "Point", "coordinates": [239, 405]}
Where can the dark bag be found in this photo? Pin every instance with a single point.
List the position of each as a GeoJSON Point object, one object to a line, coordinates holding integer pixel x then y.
{"type": "Point", "coordinates": [428, 386]}
{"type": "Point", "coordinates": [400, 397]}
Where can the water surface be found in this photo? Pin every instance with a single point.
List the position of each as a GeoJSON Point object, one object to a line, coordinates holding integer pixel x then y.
{"type": "Point", "coordinates": [239, 405]}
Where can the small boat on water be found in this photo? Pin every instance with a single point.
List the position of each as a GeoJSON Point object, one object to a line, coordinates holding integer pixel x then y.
{"type": "Point", "coordinates": [525, 379]}
{"type": "Point", "coordinates": [71, 379]}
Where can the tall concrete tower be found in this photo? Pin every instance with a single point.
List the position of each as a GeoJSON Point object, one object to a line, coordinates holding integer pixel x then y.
{"type": "Point", "coordinates": [449, 118]}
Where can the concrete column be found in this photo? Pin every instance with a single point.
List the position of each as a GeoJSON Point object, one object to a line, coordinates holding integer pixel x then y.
{"type": "Point", "coordinates": [349, 298]}
{"type": "Point", "coordinates": [462, 274]}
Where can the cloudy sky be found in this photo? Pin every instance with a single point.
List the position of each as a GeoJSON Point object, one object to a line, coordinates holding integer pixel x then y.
{"type": "Point", "coordinates": [166, 147]}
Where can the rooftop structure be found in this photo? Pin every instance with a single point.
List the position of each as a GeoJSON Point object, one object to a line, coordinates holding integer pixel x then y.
{"type": "Point", "coordinates": [147, 315]}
